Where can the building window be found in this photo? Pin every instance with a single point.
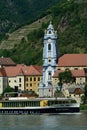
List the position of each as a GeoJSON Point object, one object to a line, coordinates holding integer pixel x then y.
{"type": "Point", "coordinates": [15, 81]}
{"type": "Point", "coordinates": [27, 85]}
{"type": "Point", "coordinates": [34, 79]}
{"type": "Point", "coordinates": [19, 85]}
{"type": "Point", "coordinates": [9, 81]}
{"type": "Point", "coordinates": [76, 68]}
{"type": "Point", "coordinates": [26, 79]}
{"type": "Point", "coordinates": [19, 79]}
{"type": "Point", "coordinates": [30, 85]}
{"type": "Point", "coordinates": [30, 78]}
{"type": "Point", "coordinates": [49, 47]}
{"type": "Point", "coordinates": [38, 78]}
{"type": "Point", "coordinates": [67, 69]}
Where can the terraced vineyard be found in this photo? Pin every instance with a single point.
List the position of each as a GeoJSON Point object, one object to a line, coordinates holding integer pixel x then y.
{"type": "Point", "coordinates": [15, 37]}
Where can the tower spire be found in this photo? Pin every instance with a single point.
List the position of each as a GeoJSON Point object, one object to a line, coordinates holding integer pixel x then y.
{"type": "Point", "coordinates": [49, 59]}
{"type": "Point", "coordinates": [50, 26]}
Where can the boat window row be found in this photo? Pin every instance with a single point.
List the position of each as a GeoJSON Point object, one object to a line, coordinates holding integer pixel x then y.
{"type": "Point", "coordinates": [61, 102]}
{"type": "Point", "coordinates": [21, 104]}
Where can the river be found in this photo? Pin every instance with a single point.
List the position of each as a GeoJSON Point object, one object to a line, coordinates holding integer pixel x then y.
{"type": "Point", "coordinates": [44, 122]}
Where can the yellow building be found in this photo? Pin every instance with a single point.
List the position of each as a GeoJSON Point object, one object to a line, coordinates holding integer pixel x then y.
{"type": "Point", "coordinates": [33, 77]}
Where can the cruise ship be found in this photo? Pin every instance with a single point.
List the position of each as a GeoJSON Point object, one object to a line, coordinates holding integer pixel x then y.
{"type": "Point", "coordinates": [24, 105]}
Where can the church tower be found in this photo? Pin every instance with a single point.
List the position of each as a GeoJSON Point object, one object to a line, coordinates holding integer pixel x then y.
{"type": "Point", "coordinates": [50, 56]}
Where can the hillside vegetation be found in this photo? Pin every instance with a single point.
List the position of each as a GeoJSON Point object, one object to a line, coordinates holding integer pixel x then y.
{"type": "Point", "coordinates": [69, 18]}
{"type": "Point", "coordinates": [16, 13]}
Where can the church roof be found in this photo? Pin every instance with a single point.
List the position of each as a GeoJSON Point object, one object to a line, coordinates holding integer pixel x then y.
{"type": "Point", "coordinates": [68, 60]}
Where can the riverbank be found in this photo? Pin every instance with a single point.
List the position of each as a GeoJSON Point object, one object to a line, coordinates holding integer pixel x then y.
{"type": "Point", "coordinates": [83, 107]}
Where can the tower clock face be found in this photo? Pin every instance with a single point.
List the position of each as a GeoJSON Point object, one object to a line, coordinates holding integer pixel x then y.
{"type": "Point", "coordinates": [49, 40]}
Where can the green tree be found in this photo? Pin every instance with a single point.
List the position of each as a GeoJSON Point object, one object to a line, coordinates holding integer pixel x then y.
{"type": "Point", "coordinates": [65, 76]}
{"type": "Point", "coordinates": [84, 98]}
{"type": "Point", "coordinates": [7, 90]}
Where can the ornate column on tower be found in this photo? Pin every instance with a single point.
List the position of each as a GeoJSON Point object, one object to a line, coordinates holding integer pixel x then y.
{"type": "Point", "coordinates": [50, 56]}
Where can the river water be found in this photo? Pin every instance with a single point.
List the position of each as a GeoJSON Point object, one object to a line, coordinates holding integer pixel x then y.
{"type": "Point", "coordinates": [44, 122]}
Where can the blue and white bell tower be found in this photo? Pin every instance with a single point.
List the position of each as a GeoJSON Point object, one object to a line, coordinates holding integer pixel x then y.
{"type": "Point", "coordinates": [50, 56]}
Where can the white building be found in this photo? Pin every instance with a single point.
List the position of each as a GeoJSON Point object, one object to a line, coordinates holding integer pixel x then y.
{"type": "Point", "coordinates": [15, 76]}
{"type": "Point", "coordinates": [3, 80]}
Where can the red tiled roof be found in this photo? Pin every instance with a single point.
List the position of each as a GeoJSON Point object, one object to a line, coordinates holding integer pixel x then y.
{"type": "Point", "coordinates": [2, 72]}
{"type": "Point", "coordinates": [13, 71]}
{"type": "Point", "coordinates": [78, 73]}
{"type": "Point", "coordinates": [73, 60]}
{"type": "Point", "coordinates": [56, 74]}
{"type": "Point", "coordinates": [35, 70]}
{"type": "Point", "coordinates": [78, 91]}
{"type": "Point", "coordinates": [23, 70]}
{"type": "Point", "coordinates": [75, 73]}
{"type": "Point", "coordinates": [39, 68]}
{"type": "Point", "coordinates": [6, 61]}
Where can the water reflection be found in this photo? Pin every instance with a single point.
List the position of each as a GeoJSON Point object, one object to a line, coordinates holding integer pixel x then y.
{"type": "Point", "coordinates": [44, 122]}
